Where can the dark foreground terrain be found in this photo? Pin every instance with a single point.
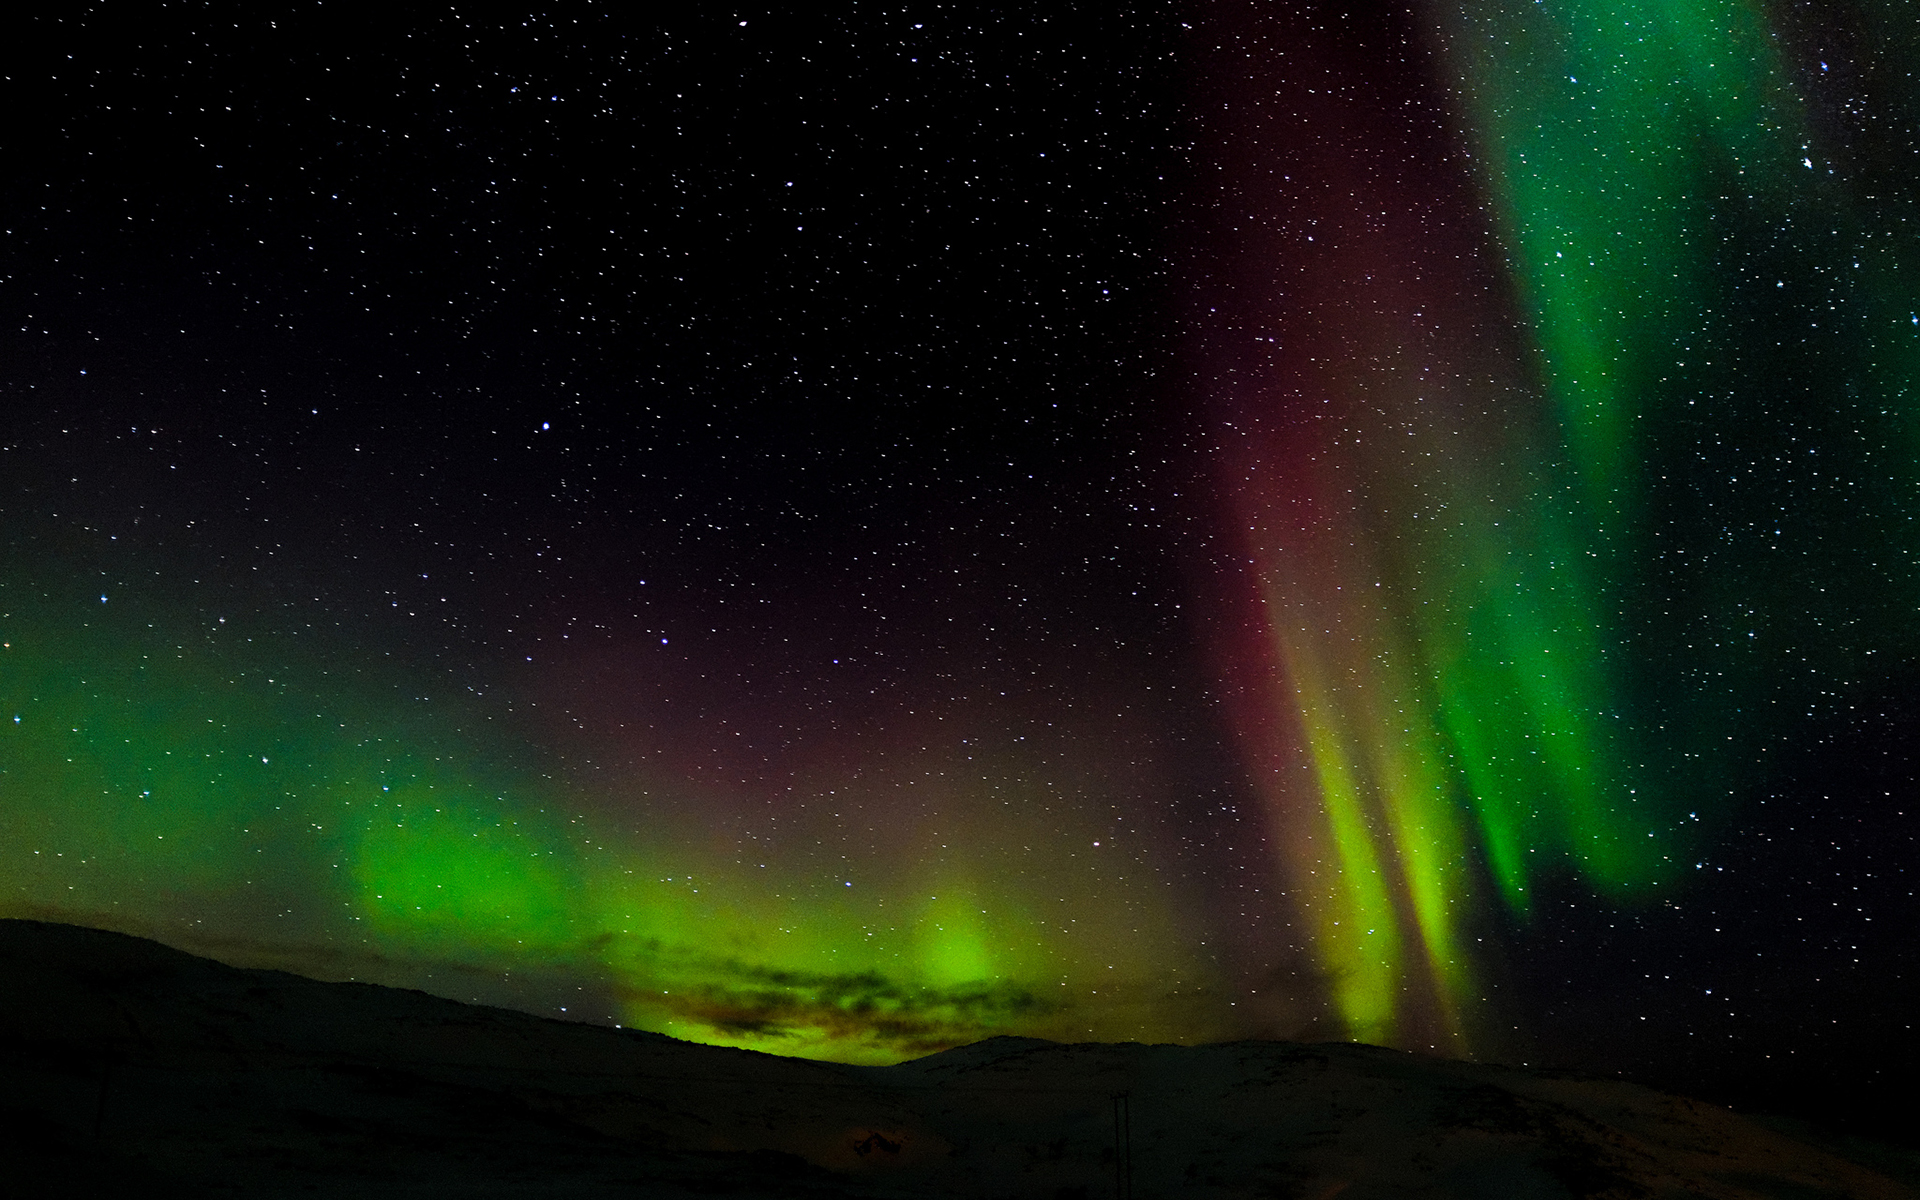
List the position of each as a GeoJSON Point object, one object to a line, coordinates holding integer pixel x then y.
{"type": "Point", "coordinates": [127, 1068]}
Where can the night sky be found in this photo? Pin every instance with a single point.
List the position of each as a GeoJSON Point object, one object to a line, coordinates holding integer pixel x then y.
{"type": "Point", "coordinates": [849, 530]}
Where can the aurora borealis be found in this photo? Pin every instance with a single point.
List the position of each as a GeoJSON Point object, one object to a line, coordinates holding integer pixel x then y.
{"type": "Point", "coordinates": [1470, 457]}
{"type": "Point", "coordinates": [846, 532]}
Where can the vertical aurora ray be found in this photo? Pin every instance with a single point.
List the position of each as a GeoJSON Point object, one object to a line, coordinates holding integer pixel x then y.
{"type": "Point", "coordinates": [1481, 463]}
{"type": "Point", "coordinates": [1601, 127]}
{"type": "Point", "coordinates": [1710, 296]}
{"type": "Point", "coordinates": [1372, 485]}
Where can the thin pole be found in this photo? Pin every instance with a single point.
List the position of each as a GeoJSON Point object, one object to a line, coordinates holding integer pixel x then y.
{"type": "Point", "coordinates": [100, 1109]}
{"type": "Point", "coordinates": [1122, 1147]}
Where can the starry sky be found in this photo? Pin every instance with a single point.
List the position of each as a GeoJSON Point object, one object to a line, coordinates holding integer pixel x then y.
{"type": "Point", "coordinates": [849, 529]}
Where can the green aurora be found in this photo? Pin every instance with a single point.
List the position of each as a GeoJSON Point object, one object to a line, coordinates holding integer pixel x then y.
{"type": "Point", "coordinates": [309, 814]}
{"type": "Point", "coordinates": [1562, 499]}
{"type": "Point", "coordinates": [1538, 594]}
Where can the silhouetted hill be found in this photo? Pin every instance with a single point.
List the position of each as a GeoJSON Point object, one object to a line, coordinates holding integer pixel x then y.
{"type": "Point", "coordinates": [133, 1069]}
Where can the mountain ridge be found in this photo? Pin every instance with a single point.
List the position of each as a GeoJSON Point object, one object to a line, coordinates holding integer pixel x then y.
{"type": "Point", "coordinates": [132, 1064]}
